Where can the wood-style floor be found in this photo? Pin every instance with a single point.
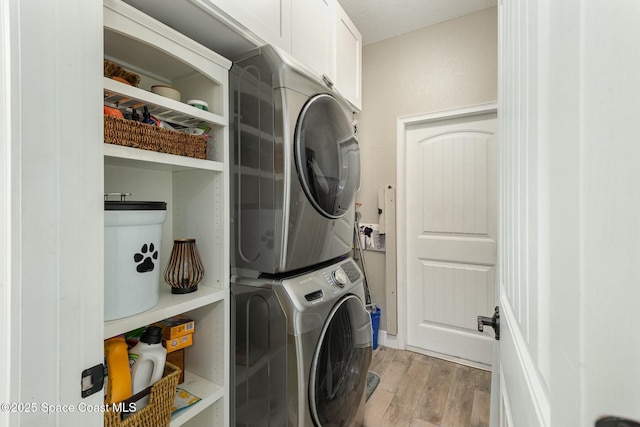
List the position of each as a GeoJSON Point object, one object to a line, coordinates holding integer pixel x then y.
{"type": "Point", "coordinates": [421, 391]}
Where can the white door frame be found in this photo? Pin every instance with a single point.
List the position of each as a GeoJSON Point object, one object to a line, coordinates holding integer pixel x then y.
{"type": "Point", "coordinates": [401, 196]}
{"type": "Point", "coordinates": [5, 205]}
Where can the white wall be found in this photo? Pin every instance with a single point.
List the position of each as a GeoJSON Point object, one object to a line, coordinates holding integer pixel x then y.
{"type": "Point", "coordinates": [448, 65]}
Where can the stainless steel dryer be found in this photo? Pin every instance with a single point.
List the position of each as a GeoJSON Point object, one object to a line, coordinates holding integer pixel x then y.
{"type": "Point", "coordinates": [328, 348]}
{"type": "Point", "coordinates": [296, 166]}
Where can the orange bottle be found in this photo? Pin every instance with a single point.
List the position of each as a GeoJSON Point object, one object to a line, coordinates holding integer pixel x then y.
{"type": "Point", "coordinates": [119, 374]}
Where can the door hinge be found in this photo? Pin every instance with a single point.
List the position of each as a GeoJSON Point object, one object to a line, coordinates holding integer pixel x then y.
{"type": "Point", "coordinates": [92, 380]}
{"type": "Point", "coordinates": [616, 422]}
{"type": "Point", "coordinates": [493, 321]}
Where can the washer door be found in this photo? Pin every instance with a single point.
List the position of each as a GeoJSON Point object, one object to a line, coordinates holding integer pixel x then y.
{"type": "Point", "coordinates": [327, 156]}
{"type": "Point", "coordinates": [340, 364]}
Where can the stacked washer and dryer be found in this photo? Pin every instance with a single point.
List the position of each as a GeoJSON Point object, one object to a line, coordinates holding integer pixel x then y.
{"type": "Point", "coordinates": [302, 341]}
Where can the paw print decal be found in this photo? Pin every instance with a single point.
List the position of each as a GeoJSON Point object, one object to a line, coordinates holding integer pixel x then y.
{"type": "Point", "coordinates": [144, 258]}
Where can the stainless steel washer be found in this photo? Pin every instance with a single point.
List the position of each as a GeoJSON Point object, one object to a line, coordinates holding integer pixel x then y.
{"type": "Point", "coordinates": [328, 346]}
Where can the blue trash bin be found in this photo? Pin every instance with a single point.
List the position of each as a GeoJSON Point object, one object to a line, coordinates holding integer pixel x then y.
{"type": "Point", "coordinates": [375, 325]}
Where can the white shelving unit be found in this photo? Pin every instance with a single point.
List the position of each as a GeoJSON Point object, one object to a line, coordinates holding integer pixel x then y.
{"type": "Point", "coordinates": [196, 190]}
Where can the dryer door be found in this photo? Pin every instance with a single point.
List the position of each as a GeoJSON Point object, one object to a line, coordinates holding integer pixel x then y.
{"type": "Point", "coordinates": [327, 155]}
{"type": "Point", "coordinates": [340, 364]}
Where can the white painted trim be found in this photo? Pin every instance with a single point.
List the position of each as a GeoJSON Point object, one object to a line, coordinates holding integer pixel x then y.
{"type": "Point", "coordinates": [385, 340]}
{"type": "Point", "coordinates": [505, 419]}
{"type": "Point", "coordinates": [5, 207]}
{"type": "Point", "coordinates": [453, 359]}
{"type": "Point", "coordinates": [535, 388]}
{"type": "Point", "coordinates": [391, 341]}
{"type": "Point", "coordinates": [472, 110]}
{"type": "Point", "coordinates": [124, 14]}
{"type": "Point", "coordinates": [401, 196]}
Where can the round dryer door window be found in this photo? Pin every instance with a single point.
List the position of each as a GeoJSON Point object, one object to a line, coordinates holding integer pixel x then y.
{"type": "Point", "coordinates": [340, 364]}
{"type": "Point", "coordinates": [327, 155]}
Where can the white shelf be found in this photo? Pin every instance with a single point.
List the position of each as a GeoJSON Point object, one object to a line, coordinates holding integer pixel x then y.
{"type": "Point", "coordinates": [119, 155]}
{"type": "Point", "coordinates": [164, 108]}
{"type": "Point", "coordinates": [199, 197]}
{"type": "Point", "coordinates": [207, 391]}
{"type": "Point", "coordinates": [168, 305]}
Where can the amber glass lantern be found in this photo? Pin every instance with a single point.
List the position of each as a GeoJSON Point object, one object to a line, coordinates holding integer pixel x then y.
{"type": "Point", "coordinates": [185, 269]}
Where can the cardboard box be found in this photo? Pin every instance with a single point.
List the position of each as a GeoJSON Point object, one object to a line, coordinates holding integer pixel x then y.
{"type": "Point", "coordinates": [177, 358]}
{"type": "Point", "coordinates": [176, 326]}
{"type": "Point", "coordinates": [178, 342]}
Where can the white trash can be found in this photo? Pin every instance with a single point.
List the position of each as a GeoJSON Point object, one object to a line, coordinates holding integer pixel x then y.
{"type": "Point", "coordinates": [132, 241]}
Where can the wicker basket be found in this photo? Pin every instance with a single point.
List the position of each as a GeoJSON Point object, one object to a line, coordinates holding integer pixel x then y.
{"type": "Point", "coordinates": [140, 135]}
{"type": "Point", "coordinates": [157, 413]}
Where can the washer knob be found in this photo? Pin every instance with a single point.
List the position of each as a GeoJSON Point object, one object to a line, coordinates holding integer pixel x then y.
{"type": "Point", "coordinates": [339, 278]}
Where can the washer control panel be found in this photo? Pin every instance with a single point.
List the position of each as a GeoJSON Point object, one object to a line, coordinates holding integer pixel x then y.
{"type": "Point", "coordinates": [352, 270]}
{"type": "Point", "coordinates": [323, 285]}
{"type": "Point", "coordinates": [339, 278]}
{"type": "Point", "coordinates": [346, 273]}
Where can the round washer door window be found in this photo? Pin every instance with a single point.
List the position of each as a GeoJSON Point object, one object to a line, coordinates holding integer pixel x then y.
{"type": "Point", "coordinates": [327, 156]}
{"type": "Point", "coordinates": [340, 364]}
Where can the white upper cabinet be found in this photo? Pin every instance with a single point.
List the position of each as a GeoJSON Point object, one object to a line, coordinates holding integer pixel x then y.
{"type": "Point", "coordinates": [270, 20]}
{"type": "Point", "coordinates": [313, 35]}
{"type": "Point", "coordinates": [317, 33]}
{"type": "Point", "coordinates": [348, 50]}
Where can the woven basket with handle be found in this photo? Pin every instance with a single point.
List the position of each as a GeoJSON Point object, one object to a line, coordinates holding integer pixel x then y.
{"type": "Point", "coordinates": [157, 413]}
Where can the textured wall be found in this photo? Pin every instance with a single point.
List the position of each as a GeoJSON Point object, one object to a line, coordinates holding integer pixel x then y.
{"type": "Point", "coordinates": [448, 65]}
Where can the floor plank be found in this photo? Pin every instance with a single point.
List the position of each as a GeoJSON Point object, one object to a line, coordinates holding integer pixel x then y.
{"type": "Point", "coordinates": [381, 359]}
{"type": "Point", "coordinates": [460, 399]}
{"type": "Point", "coordinates": [421, 391]}
{"type": "Point", "coordinates": [480, 411]}
{"type": "Point", "coordinates": [416, 422]}
{"type": "Point", "coordinates": [398, 414]}
{"type": "Point", "coordinates": [434, 396]}
{"type": "Point", "coordinates": [411, 389]}
{"type": "Point", "coordinates": [376, 407]}
{"type": "Point", "coordinates": [396, 371]}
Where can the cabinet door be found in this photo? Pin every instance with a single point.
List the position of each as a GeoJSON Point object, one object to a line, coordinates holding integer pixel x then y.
{"type": "Point", "coordinates": [270, 20]}
{"type": "Point", "coordinates": [313, 29]}
{"type": "Point", "coordinates": [348, 79]}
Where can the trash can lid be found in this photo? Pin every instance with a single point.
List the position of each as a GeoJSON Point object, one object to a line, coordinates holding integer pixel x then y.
{"type": "Point", "coordinates": [130, 205]}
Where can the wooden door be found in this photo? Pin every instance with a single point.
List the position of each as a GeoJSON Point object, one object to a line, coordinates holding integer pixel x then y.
{"type": "Point", "coordinates": [569, 246]}
{"type": "Point", "coordinates": [521, 370]}
{"type": "Point", "coordinates": [451, 233]}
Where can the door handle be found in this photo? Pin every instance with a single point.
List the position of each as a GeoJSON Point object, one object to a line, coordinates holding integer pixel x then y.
{"type": "Point", "coordinates": [616, 422]}
{"type": "Point", "coordinates": [494, 322]}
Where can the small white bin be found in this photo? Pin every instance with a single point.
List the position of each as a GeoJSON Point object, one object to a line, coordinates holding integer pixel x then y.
{"type": "Point", "coordinates": [132, 241]}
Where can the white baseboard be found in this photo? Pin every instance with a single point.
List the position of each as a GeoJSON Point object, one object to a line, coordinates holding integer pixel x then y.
{"type": "Point", "coordinates": [453, 359]}
{"type": "Point", "coordinates": [388, 340]}
{"type": "Point", "coordinates": [391, 341]}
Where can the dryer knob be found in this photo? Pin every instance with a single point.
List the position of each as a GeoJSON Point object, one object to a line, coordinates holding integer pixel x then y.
{"type": "Point", "coordinates": [339, 278]}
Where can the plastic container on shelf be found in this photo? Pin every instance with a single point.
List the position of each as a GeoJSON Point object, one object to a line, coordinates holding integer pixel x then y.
{"type": "Point", "coordinates": [132, 237]}
{"type": "Point", "coordinates": [147, 359]}
{"type": "Point", "coordinates": [202, 105]}
{"type": "Point", "coordinates": [375, 325]}
{"type": "Point", "coordinates": [119, 375]}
